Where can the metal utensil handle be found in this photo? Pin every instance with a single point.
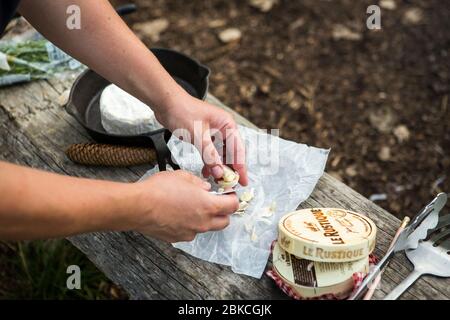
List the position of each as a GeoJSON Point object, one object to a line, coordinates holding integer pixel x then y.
{"type": "Point", "coordinates": [436, 204]}
{"type": "Point", "coordinates": [404, 285]}
{"type": "Point", "coordinates": [420, 225]}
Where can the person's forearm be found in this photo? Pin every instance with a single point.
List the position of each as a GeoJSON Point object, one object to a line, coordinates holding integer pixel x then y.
{"type": "Point", "coordinates": [107, 45]}
{"type": "Point", "coordinates": [36, 204]}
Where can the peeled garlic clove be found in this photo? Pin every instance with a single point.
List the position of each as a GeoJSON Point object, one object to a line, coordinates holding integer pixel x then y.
{"type": "Point", "coordinates": [230, 178]}
{"type": "Point", "coordinates": [243, 205]}
{"type": "Point", "coordinates": [227, 185]}
{"type": "Point", "coordinates": [228, 174]}
{"type": "Point", "coordinates": [247, 196]}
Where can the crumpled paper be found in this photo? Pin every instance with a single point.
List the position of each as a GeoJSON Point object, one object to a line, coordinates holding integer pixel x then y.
{"type": "Point", "coordinates": [282, 173]}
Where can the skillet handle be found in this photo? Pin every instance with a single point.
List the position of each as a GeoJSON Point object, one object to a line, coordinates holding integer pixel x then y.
{"type": "Point", "coordinates": [163, 154]}
{"type": "Point", "coordinates": [72, 110]}
{"type": "Point", "coordinates": [126, 9]}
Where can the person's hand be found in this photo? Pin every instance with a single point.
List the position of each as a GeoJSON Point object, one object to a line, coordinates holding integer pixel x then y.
{"type": "Point", "coordinates": [208, 125]}
{"type": "Point", "coordinates": [175, 206]}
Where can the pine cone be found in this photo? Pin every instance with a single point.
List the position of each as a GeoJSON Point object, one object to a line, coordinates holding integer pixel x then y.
{"type": "Point", "coordinates": [110, 155]}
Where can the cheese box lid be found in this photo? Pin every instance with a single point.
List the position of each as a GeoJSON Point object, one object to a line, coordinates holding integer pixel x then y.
{"type": "Point", "coordinates": [327, 234]}
{"type": "Point", "coordinates": [311, 279]}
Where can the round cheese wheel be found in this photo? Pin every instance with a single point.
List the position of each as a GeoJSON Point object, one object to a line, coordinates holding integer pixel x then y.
{"type": "Point", "coordinates": [123, 114]}
{"type": "Point", "coordinates": [327, 234]}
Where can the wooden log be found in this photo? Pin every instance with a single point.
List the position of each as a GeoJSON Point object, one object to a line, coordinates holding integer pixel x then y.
{"type": "Point", "coordinates": [35, 131]}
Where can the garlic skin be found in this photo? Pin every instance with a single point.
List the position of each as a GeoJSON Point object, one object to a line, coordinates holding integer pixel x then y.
{"type": "Point", "coordinates": [248, 226]}
{"type": "Point", "coordinates": [265, 220]}
{"type": "Point", "coordinates": [273, 206]}
{"type": "Point", "coordinates": [254, 236]}
{"type": "Point", "coordinates": [267, 212]}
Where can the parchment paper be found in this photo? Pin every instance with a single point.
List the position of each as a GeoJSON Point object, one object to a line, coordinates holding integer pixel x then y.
{"type": "Point", "coordinates": [282, 173]}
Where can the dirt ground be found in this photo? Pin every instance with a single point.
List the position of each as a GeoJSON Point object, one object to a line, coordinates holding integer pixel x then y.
{"type": "Point", "coordinates": [378, 99]}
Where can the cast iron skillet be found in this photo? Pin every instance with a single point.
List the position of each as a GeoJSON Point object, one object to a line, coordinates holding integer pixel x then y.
{"type": "Point", "coordinates": [85, 94]}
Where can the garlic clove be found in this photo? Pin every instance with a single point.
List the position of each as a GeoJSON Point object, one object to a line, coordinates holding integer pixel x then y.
{"type": "Point", "coordinates": [230, 178]}
{"type": "Point", "coordinates": [247, 196]}
{"type": "Point", "coordinates": [228, 174]}
{"type": "Point", "coordinates": [243, 205]}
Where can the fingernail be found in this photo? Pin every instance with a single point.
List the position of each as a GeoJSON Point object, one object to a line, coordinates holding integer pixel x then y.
{"type": "Point", "coordinates": [206, 172]}
{"type": "Point", "coordinates": [217, 172]}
